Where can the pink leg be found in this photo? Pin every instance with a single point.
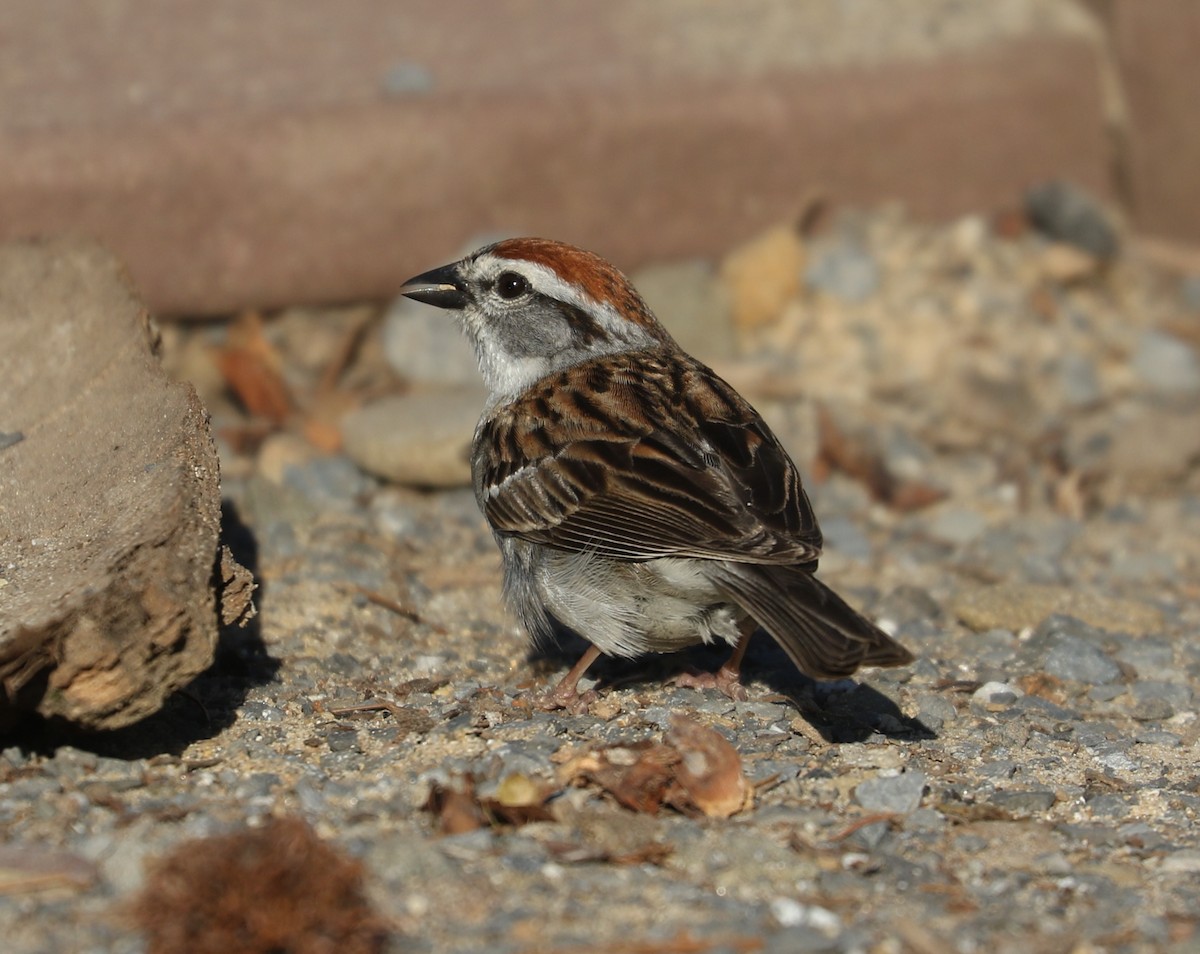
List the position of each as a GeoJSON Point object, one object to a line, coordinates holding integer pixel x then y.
{"type": "Point", "coordinates": [566, 694]}
{"type": "Point", "coordinates": [728, 679]}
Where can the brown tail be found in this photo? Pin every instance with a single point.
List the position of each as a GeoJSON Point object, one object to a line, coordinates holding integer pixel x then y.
{"type": "Point", "coordinates": [823, 635]}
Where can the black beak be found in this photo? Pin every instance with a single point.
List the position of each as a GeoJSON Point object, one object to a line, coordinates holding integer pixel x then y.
{"type": "Point", "coordinates": [441, 287]}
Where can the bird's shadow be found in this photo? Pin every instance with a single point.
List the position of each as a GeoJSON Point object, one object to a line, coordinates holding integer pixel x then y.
{"type": "Point", "coordinates": [842, 711]}
{"type": "Point", "coordinates": [200, 710]}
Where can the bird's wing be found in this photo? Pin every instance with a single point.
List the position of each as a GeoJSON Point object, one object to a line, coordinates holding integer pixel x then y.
{"type": "Point", "coordinates": [639, 456]}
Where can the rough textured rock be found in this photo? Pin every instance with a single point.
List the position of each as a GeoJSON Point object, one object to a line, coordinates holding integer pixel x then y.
{"type": "Point", "coordinates": [110, 511]}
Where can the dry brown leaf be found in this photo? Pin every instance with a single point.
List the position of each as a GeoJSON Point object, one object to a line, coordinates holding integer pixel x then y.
{"type": "Point", "coordinates": [251, 368]}
{"type": "Point", "coordinates": [710, 769]}
{"type": "Point", "coordinates": [637, 775]}
{"type": "Point", "coordinates": [518, 801]}
{"type": "Point", "coordinates": [457, 809]}
{"type": "Point", "coordinates": [694, 770]}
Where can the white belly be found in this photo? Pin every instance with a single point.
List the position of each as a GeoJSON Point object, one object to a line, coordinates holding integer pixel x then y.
{"type": "Point", "coordinates": [626, 609]}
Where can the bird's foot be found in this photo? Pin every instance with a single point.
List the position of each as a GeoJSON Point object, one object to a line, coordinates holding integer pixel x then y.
{"type": "Point", "coordinates": [725, 679]}
{"type": "Point", "coordinates": [561, 697]}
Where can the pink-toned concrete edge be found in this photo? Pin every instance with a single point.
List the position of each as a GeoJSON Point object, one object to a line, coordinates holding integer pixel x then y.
{"type": "Point", "coordinates": [230, 212]}
{"type": "Point", "coordinates": [1155, 44]}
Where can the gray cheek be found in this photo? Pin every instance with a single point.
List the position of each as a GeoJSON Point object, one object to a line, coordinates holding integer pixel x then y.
{"type": "Point", "coordinates": [522, 336]}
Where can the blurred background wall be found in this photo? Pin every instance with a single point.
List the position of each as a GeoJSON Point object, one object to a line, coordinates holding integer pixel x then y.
{"type": "Point", "coordinates": [253, 155]}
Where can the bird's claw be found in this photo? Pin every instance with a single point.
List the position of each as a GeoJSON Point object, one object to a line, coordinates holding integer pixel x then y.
{"type": "Point", "coordinates": [727, 681]}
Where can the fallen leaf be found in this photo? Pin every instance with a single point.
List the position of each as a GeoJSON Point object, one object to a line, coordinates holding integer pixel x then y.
{"type": "Point", "coordinates": [710, 769]}
{"type": "Point", "coordinates": [457, 809]}
{"type": "Point", "coordinates": [518, 801]}
{"type": "Point", "coordinates": [694, 770]}
{"type": "Point", "coordinates": [636, 775]}
{"type": "Point", "coordinates": [251, 368]}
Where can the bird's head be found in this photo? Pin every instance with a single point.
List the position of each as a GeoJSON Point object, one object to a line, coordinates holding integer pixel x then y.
{"type": "Point", "coordinates": [532, 306]}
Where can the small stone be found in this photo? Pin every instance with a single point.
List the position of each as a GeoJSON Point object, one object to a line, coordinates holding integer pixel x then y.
{"type": "Point", "coordinates": [1078, 660]}
{"type": "Point", "coordinates": [330, 482]}
{"type": "Point", "coordinates": [763, 276]}
{"type": "Point", "coordinates": [844, 538]}
{"type": "Point", "coordinates": [342, 740]}
{"type": "Point", "coordinates": [1031, 801]}
{"type": "Point", "coordinates": [425, 345]}
{"type": "Point", "coordinates": [791, 913]}
{"type": "Point", "coordinates": [1165, 364]}
{"type": "Point", "coordinates": [693, 304]}
{"type": "Point", "coordinates": [1066, 212]}
{"type": "Point", "coordinates": [845, 270]}
{"type": "Point", "coordinates": [1158, 737]}
{"type": "Point", "coordinates": [1017, 606]}
{"type": "Point", "coordinates": [1078, 381]}
{"type": "Point", "coordinates": [1184, 861]}
{"type": "Point", "coordinates": [1067, 264]}
{"type": "Point", "coordinates": [998, 768]}
{"type": "Point", "coordinates": [421, 439]}
{"type": "Point", "coordinates": [908, 604]}
{"type": "Point", "coordinates": [892, 793]}
{"type": "Point", "coordinates": [762, 711]}
{"type": "Point", "coordinates": [956, 526]}
{"type": "Point", "coordinates": [996, 696]}
{"type": "Point", "coordinates": [934, 711]}
{"type": "Point", "coordinates": [282, 451]}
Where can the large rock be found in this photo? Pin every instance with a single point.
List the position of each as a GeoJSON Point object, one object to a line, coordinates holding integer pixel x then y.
{"type": "Point", "coordinates": [109, 502]}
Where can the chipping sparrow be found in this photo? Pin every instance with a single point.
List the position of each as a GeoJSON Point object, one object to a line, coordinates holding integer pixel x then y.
{"type": "Point", "coordinates": [636, 497]}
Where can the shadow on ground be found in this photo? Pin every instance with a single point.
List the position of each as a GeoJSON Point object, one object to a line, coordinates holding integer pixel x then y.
{"type": "Point", "coordinates": [200, 710]}
{"type": "Point", "coordinates": [845, 711]}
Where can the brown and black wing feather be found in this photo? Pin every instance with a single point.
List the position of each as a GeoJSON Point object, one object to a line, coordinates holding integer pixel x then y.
{"type": "Point", "coordinates": [638, 456]}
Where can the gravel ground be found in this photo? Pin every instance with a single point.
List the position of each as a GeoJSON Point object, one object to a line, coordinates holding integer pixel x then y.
{"type": "Point", "coordinates": [999, 433]}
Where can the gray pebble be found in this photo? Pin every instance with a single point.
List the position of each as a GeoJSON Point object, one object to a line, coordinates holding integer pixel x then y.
{"type": "Point", "coordinates": [342, 740]}
{"type": "Point", "coordinates": [763, 711]}
{"type": "Point", "coordinates": [333, 483]}
{"type": "Point", "coordinates": [1078, 381]}
{"type": "Point", "coordinates": [1165, 364]}
{"type": "Point", "coordinates": [998, 768]}
{"type": "Point", "coordinates": [694, 305]}
{"type": "Point", "coordinates": [424, 347]}
{"type": "Point", "coordinates": [1073, 652]}
{"type": "Point", "coordinates": [420, 439]}
{"type": "Point", "coordinates": [1030, 801]}
{"type": "Point", "coordinates": [1158, 737]}
{"type": "Point", "coordinates": [956, 526]}
{"type": "Point", "coordinates": [845, 269]}
{"type": "Point", "coordinates": [1172, 697]}
{"type": "Point", "coordinates": [1068, 213]}
{"type": "Point", "coordinates": [896, 793]}
{"type": "Point", "coordinates": [846, 538]}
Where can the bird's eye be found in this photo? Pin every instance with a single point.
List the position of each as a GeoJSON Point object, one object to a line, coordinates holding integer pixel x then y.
{"type": "Point", "coordinates": [510, 285]}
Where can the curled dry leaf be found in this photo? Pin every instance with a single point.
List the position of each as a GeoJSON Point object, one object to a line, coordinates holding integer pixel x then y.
{"type": "Point", "coordinates": [251, 365]}
{"type": "Point", "coordinates": [710, 769]}
{"type": "Point", "coordinates": [518, 801]}
{"type": "Point", "coordinates": [456, 809]}
{"type": "Point", "coordinates": [694, 770]}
